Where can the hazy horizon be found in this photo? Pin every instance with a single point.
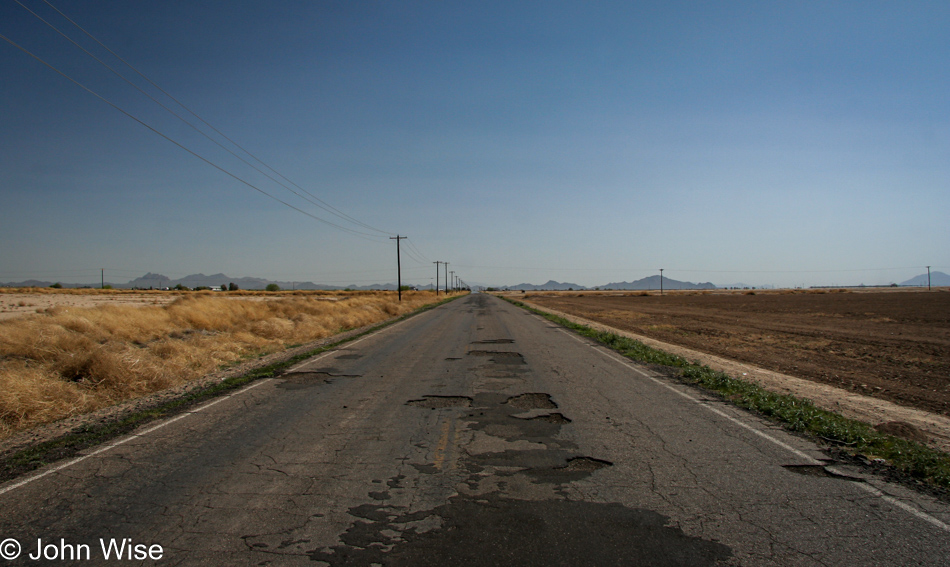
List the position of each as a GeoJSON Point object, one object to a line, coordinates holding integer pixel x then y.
{"type": "Point", "coordinates": [199, 278]}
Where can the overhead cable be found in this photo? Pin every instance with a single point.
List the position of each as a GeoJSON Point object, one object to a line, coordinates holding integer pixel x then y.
{"type": "Point", "coordinates": [312, 198]}
{"type": "Point", "coordinates": [202, 158]}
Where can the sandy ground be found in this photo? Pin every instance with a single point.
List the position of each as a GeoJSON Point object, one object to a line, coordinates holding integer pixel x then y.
{"type": "Point", "coordinates": [852, 404]}
{"type": "Point", "coordinates": [15, 303]}
{"type": "Point", "coordinates": [18, 304]}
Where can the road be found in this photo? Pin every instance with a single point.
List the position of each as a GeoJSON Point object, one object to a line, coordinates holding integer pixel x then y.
{"type": "Point", "coordinates": [473, 434]}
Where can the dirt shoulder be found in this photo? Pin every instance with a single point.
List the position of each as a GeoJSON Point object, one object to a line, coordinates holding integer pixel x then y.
{"type": "Point", "coordinates": [738, 352]}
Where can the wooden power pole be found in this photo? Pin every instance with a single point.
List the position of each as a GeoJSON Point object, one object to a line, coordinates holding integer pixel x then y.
{"type": "Point", "coordinates": [397, 238]}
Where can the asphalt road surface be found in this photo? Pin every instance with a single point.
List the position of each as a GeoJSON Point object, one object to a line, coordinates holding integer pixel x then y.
{"type": "Point", "coordinates": [472, 434]}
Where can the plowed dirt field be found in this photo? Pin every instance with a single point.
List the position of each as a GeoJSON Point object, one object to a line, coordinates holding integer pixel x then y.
{"type": "Point", "coordinates": [894, 345]}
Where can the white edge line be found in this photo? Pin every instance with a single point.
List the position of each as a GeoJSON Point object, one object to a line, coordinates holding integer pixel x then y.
{"type": "Point", "coordinates": [627, 363]}
{"type": "Point", "coordinates": [863, 485]}
{"type": "Point", "coordinates": [904, 506]}
{"type": "Point", "coordinates": [356, 342]}
{"type": "Point", "coordinates": [124, 440]}
{"type": "Point", "coordinates": [114, 444]}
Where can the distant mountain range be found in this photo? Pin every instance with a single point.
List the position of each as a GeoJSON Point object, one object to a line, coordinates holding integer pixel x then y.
{"type": "Point", "coordinates": [651, 282]}
{"type": "Point", "coordinates": [937, 279]}
{"type": "Point", "coordinates": [158, 281]}
{"type": "Point", "coordinates": [550, 286]}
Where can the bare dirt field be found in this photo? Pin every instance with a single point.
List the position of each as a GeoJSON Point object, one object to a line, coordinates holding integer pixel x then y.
{"type": "Point", "coordinates": [16, 302]}
{"type": "Point", "coordinates": [892, 345]}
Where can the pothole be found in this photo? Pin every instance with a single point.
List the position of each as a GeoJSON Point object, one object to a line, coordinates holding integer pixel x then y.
{"type": "Point", "coordinates": [576, 468]}
{"type": "Point", "coordinates": [439, 402]}
{"type": "Point", "coordinates": [494, 342]}
{"type": "Point", "coordinates": [532, 401]}
{"type": "Point", "coordinates": [819, 471]}
{"type": "Point", "coordinates": [585, 464]}
{"type": "Point", "coordinates": [500, 356]}
{"type": "Point", "coordinates": [349, 356]}
{"type": "Point", "coordinates": [548, 417]}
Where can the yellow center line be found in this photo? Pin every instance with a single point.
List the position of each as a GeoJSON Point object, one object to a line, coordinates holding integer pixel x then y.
{"type": "Point", "coordinates": [443, 443]}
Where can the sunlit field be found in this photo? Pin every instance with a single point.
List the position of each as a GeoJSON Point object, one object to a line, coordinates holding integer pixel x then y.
{"type": "Point", "coordinates": [68, 360]}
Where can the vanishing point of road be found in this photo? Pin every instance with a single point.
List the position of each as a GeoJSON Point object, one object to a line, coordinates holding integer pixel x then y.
{"type": "Point", "coordinates": [476, 433]}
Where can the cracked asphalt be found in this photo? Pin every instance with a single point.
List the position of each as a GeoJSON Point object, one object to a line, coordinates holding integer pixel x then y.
{"type": "Point", "coordinates": [475, 434]}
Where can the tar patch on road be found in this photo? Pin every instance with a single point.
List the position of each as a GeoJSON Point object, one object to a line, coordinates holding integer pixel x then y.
{"type": "Point", "coordinates": [493, 531]}
{"type": "Point", "coordinates": [500, 356]}
{"type": "Point", "coordinates": [510, 463]}
{"type": "Point", "coordinates": [531, 401]}
{"type": "Point", "coordinates": [548, 417]}
{"type": "Point", "coordinates": [439, 402]}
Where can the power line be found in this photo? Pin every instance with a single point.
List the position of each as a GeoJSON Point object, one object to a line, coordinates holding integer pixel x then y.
{"type": "Point", "coordinates": [414, 257]}
{"type": "Point", "coordinates": [314, 200]}
{"type": "Point", "coordinates": [628, 270]}
{"type": "Point", "coordinates": [202, 158]}
{"type": "Point", "coordinates": [419, 252]}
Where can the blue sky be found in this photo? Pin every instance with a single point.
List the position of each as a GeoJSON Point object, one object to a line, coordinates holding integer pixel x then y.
{"type": "Point", "coordinates": [782, 143]}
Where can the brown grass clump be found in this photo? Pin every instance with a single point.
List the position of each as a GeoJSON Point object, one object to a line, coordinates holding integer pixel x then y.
{"type": "Point", "coordinates": [65, 362]}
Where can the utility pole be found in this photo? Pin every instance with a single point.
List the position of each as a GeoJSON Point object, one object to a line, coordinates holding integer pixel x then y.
{"type": "Point", "coordinates": [102, 284]}
{"type": "Point", "coordinates": [437, 262]}
{"type": "Point", "coordinates": [928, 278]}
{"type": "Point", "coordinates": [661, 281]}
{"type": "Point", "coordinates": [446, 277]}
{"type": "Point", "coordinates": [453, 279]}
{"type": "Point", "coordinates": [397, 238]}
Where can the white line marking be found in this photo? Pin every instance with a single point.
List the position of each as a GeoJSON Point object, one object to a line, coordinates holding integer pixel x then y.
{"type": "Point", "coordinates": [124, 440]}
{"type": "Point", "coordinates": [627, 363]}
{"type": "Point", "coordinates": [349, 344]}
{"type": "Point", "coordinates": [903, 506]}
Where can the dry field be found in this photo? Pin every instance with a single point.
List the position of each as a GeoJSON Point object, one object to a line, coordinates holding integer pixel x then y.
{"type": "Point", "coordinates": [893, 345]}
{"type": "Point", "coordinates": [68, 359]}
{"type": "Point", "coordinates": [18, 302]}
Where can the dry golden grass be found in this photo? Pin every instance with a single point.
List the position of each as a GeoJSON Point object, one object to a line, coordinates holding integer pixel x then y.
{"type": "Point", "coordinates": [65, 362]}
